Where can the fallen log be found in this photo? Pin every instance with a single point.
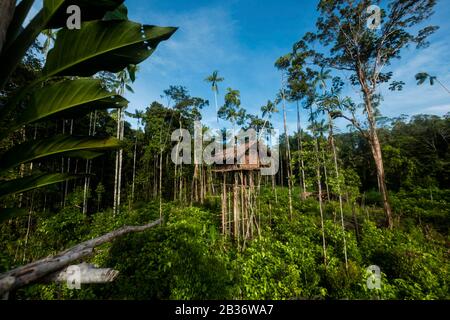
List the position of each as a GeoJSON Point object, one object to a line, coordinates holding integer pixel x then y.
{"type": "Point", "coordinates": [40, 269]}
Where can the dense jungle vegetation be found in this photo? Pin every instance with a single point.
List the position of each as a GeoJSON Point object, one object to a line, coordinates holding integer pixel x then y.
{"type": "Point", "coordinates": [374, 193]}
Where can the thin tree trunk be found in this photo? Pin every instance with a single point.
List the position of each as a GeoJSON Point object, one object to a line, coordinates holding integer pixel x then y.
{"type": "Point", "coordinates": [288, 155]}
{"type": "Point", "coordinates": [325, 172]}
{"type": "Point", "coordinates": [134, 170]}
{"type": "Point", "coordinates": [336, 168]}
{"type": "Point", "coordinates": [217, 105]}
{"type": "Point", "coordinates": [224, 204]}
{"type": "Point", "coordinates": [319, 186]}
{"type": "Point", "coordinates": [160, 183]}
{"type": "Point", "coordinates": [300, 149]}
{"type": "Point", "coordinates": [66, 188]}
{"type": "Point", "coordinates": [85, 192]}
{"type": "Point", "coordinates": [119, 182]}
{"type": "Point", "coordinates": [235, 209]}
{"type": "Point", "coordinates": [22, 166]}
{"type": "Point", "coordinates": [116, 172]}
{"type": "Point", "coordinates": [30, 212]}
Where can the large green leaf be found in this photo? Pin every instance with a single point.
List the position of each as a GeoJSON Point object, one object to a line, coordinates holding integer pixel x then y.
{"type": "Point", "coordinates": [60, 144]}
{"type": "Point", "coordinates": [9, 213]}
{"type": "Point", "coordinates": [13, 54]}
{"type": "Point", "coordinates": [121, 13]}
{"type": "Point", "coordinates": [20, 13]}
{"type": "Point", "coordinates": [32, 182]}
{"type": "Point", "coordinates": [90, 10]}
{"type": "Point", "coordinates": [84, 154]}
{"type": "Point", "coordinates": [103, 45]}
{"type": "Point", "coordinates": [68, 95]}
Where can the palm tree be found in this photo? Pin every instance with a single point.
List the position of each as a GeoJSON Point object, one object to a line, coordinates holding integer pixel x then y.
{"type": "Point", "coordinates": [319, 79]}
{"type": "Point", "coordinates": [268, 110]}
{"type": "Point", "coordinates": [321, 129]}
{"type": "Point", "coordinates": [333, 104]}
{"type": "Point", "coordinates": [283, 64]}
{"type": "Point", "coordinates": [138, 115]}
{"type": "Point", "coordinates": [421, 77]}
{"type": "Point", "coordinates": [312, 119]}
{"type": "Point", "coordinates": [232, 110]}
{"type": "Point", "coordinates": [214, 79]}
{"type": "Point", "coordinates": [122, 84]}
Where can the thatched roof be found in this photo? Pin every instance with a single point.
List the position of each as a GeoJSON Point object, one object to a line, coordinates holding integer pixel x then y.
{"type": "Point", "coordinates": [241, 157]}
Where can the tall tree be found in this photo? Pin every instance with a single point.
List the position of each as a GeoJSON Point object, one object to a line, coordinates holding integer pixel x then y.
{"type": "Point", "coordinates": [267, 111]}
{"type": "Point", "coordinates": [138, 115]}
{"type": "Point", "coordinates": [332, 104]}
{"type": "Point", "coordinates": [348, 41]}
{"type": "Point", "coordinates": [282, 64]}
{"type": "Point", "coordinates": [313, 120]}
{"type": "Point", "coordinates": [214, 79]}
{"type": "Point", "coordinates": [232, 110]}
{"type": "Point", "coordinates": [122, 84]}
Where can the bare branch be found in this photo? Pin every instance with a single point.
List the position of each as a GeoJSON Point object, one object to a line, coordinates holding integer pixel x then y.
{"type": "Point", "coordinates": [37, 270]}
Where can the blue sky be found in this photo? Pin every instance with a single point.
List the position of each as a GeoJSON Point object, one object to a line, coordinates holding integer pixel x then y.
{"type": "Point", "coordinates": [242, 39]}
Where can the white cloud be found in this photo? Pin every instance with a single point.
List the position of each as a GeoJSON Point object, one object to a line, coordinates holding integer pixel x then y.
{"type": "Point", "coordinates": [439, 109]}
{"type": "Point", "coordinates": [205, 36]}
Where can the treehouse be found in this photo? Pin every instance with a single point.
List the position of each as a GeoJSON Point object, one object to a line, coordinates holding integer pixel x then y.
{"type": "Point", "coordinates": [241, 157]}
{"type": "Point", "coordinates": [240, 173]}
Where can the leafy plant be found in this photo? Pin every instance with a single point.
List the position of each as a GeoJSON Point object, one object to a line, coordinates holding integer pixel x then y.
{"type": "Point", "coordinates": [107, 41]}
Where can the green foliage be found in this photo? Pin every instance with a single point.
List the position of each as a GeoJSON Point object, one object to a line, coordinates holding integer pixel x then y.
{"type": "Point", "coordinates": [112, 44]}
{"type": "Point", "coordinates": [66, 95]}
{"type": "Point", "coordinates": [188, 258]}
{"type": "Point", "coordinates": [31, 182]}
{"type": "Point", "coordinates": [415, 267]}
{"type": "Point", "coordinates": [107, 52]}
{"type": "Point", "coordinates": [60, 144]}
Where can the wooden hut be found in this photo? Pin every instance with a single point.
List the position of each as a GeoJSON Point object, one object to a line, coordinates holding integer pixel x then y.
{"type": "Point", "coordinates": [241, 176]}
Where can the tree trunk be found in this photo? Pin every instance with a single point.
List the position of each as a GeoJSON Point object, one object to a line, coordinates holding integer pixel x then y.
{"type": "Point", "coordinates": [224, 204]}
{"type": "Point", "coordinates": [66, 188]}
{"type": "Point", "coordinates": [116, 172]}
{"type": "Point", "coordinates": [336, 168]}
{"type": "Point", "coordinates": [217, 105]}
{"type": "Point", "coordinates": [160, 184]}
{"type": "Point", "coordinates": [319, 186]}
{"type": "Point", "coordinates": [235, 208]}
{"type": "Point", "coordinates": [300, 149]}
{"type": "Point", "coordinates": [288, 154]}
{"type": "Point", "coordinates": [119, 182]}
{"type": "Point", "coordinates": [86, 184]}
{"type": "Point", "coordinates": [377, 156]}
{"type": "Point", "coordinates": [134, 171]}
{"type": "Point", "coordinates": [325, 172]}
